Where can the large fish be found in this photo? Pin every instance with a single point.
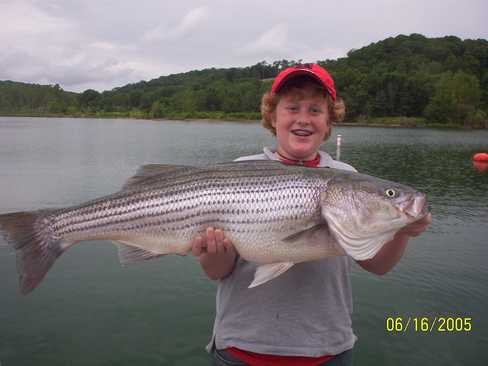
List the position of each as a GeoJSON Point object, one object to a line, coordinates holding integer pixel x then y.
{"type": "Point", "coordinates": [275, 215]}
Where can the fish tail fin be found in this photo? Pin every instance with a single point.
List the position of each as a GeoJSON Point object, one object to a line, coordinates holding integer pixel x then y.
{"type": "Point", "coordinates": [36, 246]}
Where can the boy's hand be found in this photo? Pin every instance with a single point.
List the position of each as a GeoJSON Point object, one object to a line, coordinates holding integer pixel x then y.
{"type": "Point", "coordinates": [215, 253]}
{"type": "Point", "coordinates": [212, 242]}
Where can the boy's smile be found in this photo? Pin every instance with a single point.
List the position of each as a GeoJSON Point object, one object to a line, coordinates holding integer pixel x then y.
{"type": "Point", "coordinates": [301, 132]}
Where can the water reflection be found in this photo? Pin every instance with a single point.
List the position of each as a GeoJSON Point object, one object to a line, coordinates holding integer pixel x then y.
{"type": "Point", "coordinates": [480, 166]}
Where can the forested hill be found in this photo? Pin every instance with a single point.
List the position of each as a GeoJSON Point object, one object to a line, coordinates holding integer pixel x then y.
{"type": "Point", "coordinates": [443, 80]}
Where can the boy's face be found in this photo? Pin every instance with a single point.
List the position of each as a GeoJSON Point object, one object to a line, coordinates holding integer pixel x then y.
{"type": "Point", "coordinates": [301, 121]}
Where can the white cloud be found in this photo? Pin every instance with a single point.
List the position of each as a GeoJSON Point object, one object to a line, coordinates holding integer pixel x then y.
{"type": "Point", "coordinates": [22, 17]}
{"type": "Point", "coordinates": [103, 45]}
{"type": "Point", "coordinates": [188, 23]}
{"type": "Point", "coordinates": [273, 40]}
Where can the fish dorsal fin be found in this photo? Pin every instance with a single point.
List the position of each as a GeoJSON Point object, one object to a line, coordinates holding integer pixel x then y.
{"type": "Point", "coordinates": [150, 174]}
{"type": "Point", "coordinates": [266, 272]}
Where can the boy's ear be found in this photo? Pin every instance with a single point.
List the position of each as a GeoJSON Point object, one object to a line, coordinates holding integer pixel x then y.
{"type": "Point", "coordinates": [273, 119]}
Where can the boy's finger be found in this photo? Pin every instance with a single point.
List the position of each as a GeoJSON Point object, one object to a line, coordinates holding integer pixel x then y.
{"type": "Point", "coordinates": [196, 246]}
{"type": "Point", "coordinates": [219, 238]}
{"type": "Point", "coordinates": [211, 244]}
{"type": "Point", "coordinates": [227, 244]}
{"type": "Point", "coordinates": [219, 235]}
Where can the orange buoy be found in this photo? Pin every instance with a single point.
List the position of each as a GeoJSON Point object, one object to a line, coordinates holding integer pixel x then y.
{"type": "Point", "coordinates": [480, 162]}
{"type": "Point", "coordinates": [483, 157]}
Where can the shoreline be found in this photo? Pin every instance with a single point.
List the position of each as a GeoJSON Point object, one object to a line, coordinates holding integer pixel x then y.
{"type": "Point", "coordinates": [375, 122]}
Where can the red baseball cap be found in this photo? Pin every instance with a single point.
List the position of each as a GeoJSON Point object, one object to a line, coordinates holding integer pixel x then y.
{"type": "Point", "coordinates": [317, 72]}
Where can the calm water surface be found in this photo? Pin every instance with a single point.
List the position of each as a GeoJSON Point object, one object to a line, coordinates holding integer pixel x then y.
{"type": "Point", "coordinates": [91, 311]}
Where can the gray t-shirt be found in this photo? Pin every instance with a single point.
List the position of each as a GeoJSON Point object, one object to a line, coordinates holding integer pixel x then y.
{"type": "Point", "coordinates": [304, 312]}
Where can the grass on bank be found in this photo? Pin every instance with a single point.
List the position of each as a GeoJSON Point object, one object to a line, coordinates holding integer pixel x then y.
{"type": "Point", "coordinates": [412, 122]}
{"type": "Point", "coordinates": [405, 122]}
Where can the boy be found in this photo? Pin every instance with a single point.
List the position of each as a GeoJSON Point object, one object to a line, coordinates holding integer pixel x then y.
{"type": "Point", "coordinates": [303, 317]}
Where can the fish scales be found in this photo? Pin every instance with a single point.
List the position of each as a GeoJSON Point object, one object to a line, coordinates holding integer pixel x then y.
{"type": "Point", "coordinates": [121, 203]}
{"type": "Point", "coordinates": [160, 202]}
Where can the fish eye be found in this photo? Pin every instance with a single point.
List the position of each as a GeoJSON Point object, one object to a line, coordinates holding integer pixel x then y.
{"type": "Point", "coordinates": [390, 192]}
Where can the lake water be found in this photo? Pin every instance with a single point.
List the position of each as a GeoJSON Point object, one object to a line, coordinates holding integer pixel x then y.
{"type": "Point", "coordinates": [91, 311]}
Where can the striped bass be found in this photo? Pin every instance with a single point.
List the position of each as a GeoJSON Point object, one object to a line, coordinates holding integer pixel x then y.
{"type": "Point", "coordinates": [276, 215]}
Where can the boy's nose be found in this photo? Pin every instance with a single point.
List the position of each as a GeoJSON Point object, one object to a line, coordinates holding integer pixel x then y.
{"type": "Point", "coordinates": [303, 119]}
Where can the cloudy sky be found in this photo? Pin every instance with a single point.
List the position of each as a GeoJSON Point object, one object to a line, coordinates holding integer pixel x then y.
{"type": "Point", "coordinates": [102, 44]}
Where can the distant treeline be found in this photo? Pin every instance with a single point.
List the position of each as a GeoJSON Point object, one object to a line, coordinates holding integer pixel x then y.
{"type": "Point", "coordinates": [412, 78]}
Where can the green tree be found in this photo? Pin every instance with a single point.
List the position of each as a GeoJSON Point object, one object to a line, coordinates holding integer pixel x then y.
{"type": "Point", "coordinates": [456, 98]}
{"type": "Point", "coordinates": [90, 100]}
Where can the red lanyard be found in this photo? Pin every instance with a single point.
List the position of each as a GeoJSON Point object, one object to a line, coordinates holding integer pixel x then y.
{"type": "Point", "coordinates": [313, 163]}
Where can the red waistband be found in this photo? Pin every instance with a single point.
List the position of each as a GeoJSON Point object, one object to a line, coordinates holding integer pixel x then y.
{"type": "Point", "coordinates": [260, 359]}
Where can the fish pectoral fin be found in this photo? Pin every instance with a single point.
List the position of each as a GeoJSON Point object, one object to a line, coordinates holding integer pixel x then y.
{"type": "Point", "coordinates": [131, 254]}
{"type": "Point", "coordinates": [319, 234]}
{"type": "Point", "coordinates": [309, 233]}
{"type": "Point", "coordinates": [266, 272]}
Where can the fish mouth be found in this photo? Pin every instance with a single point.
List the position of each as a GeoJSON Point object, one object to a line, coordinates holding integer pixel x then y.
{"type": "Point", "coordinates": [302, 132]}
{"type": "Point", "coordinates": [416, 206]}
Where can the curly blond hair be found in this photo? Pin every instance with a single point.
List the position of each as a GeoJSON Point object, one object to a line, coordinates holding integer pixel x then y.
{"type": "Point", "coordinates": [294, 87]}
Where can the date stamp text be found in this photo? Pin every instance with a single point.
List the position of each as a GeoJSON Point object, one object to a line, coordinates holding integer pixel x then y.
{"type": "Point", "coordinates": [428, 324]}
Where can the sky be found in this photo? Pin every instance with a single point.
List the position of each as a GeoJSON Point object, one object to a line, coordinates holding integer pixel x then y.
{"type": "Point", "coordinates": [103, 44]}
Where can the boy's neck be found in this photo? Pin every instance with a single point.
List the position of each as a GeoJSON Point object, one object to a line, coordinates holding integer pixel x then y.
{"type": "Point", "coordinates": [308, 162]}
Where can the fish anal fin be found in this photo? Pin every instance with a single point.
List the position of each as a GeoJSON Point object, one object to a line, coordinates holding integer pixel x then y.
{"type": "Point", "coordinates": [266, 272]}
{"type": "Point", "coordinates": [128, 253]}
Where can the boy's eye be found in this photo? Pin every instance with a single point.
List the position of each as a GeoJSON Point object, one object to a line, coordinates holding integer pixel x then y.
{"type": "Point", "coordinates": [316, 110]}
{"type": "Point", "coordinates": [292, 108]}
